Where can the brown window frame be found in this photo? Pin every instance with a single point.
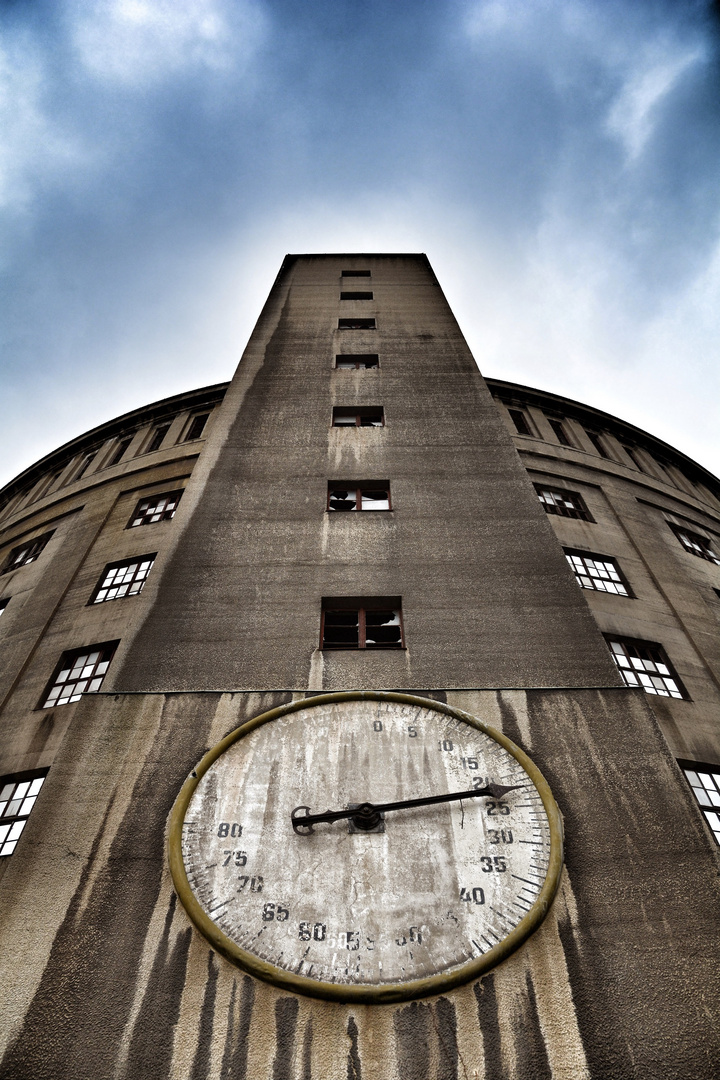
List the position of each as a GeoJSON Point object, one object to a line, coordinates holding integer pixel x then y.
{"type": "Point", "coordinates": [166, 515]}
{"type": "Point", "coordinates": [362, 605]}
{"type": "Point", "coordinates": [32, 550]}
{"type": "Point", "coordinates": [359, 486]}
{"type": "Point", "coordinates": [138, 577]}
{"type": "Point", "coordinates": [581, 512]}
{"type": "Point", "coordinates": [359, 361]}
{"type": "Point", "coordinates": [643, 675]}
{"type": "Point", "coordinates": [360, 412]}
{"type": "Point", "coordinates": [94, 678]}
{"type": "Point", "coordinates": [706, 552]}
{"type": "Point", "coordinates": [601, 577]}
{"type": "Point", "coordinates": [356, 324]}
{"type": "Point", "coordinates": [13, 815]}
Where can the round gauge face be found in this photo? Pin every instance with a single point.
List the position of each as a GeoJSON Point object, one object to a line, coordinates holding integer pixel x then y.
{"type": "Point", "coordinates": [402, 903]}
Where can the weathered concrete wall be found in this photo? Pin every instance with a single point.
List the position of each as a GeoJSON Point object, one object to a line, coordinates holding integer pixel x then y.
{"type": "Point", "coordinates": [104, 976]}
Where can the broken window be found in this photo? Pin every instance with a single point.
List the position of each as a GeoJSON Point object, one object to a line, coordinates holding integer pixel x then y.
{"type": "Point", "coordinates": [564, 503]}
{"type": "Point", "coordinates": [358, 416]}
{"type": "Point", "coordinates": [197, 426]}
{"type": "Point", "coordinates": [157, 438]}
{"type": "Point", "coordinates": [695, 544]}
{"type": "Point", "coordinates": [645, 664]}
{"type": "Point", "coordinates": [373, 495]}
{"type": "Point", "coordinates": [124, 578]}
{"type": "Point", "coordinates": [356, 361]}
{"type": "Point", "coordinates": [356, 324]}
{"type": "Point", "coordinates": [705, 783]}
{"type": "Point", "coordinates": [597, 572]}
{"type": "Point", "coordinates": [356, 273]}
{"type": "Point", "coordinates": [356, 296]}
{"type": "Point", "coordinates": [155, 508]}
{"type": "Point", "coordinates": [25, 553]}
{"type": "Point", "coordinates": [18, 794]}
{"type": "Point", "coordinates": [80, 671]}
{"type": "Point", "coordinates": [368, 624]}
{"type": "Point", "coordinates": [520, 421]}
{"type": "Point", "coordinates": [560, 433]}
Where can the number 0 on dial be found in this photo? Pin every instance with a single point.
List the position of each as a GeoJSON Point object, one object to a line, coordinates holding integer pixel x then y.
{"type": "Point", "coordinates": [393, 903]}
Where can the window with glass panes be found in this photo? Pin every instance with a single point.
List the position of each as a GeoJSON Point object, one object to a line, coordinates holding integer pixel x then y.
{"type": "Point", "coordinates": [374, 495]}
{"type": "Point", "coordinates": [598, 572]}
{"type": "Point", "coordinates": [568, 504]}
{"type": "Point", "coordinates": [705, 783]}
{"type": "Point", "coordinates": [370, 624]}
{"type": "Point", "coordinates": [124, 578]}
{"type": "Point", "coordinates": [18, 794]}
{"type": "Point", "coordinates": [80, 671]}
{"type": "Point", "coordinates": [645, 664]}
{"type": "Point", "coordinates": [695, 543]}
{"type": "Point", "coordinates": [155, 508]}
{"type": "Point", "coordinates": [25, 553]}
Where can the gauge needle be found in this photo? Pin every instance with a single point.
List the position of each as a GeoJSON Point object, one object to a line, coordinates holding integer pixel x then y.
{"type": "Point", "coordinates": [367, 815]}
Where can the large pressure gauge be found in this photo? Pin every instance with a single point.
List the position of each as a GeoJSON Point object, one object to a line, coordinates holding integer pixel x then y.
{"type": "Point", "coordinates": [370, 847]}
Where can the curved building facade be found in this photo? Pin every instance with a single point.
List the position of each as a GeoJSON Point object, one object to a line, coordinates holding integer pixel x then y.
{"type": "Point", "coordinates": [358, 511]}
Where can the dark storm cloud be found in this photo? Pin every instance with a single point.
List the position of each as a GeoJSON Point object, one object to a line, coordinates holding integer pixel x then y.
{"type": "Point", "coordinates": [557, 159]}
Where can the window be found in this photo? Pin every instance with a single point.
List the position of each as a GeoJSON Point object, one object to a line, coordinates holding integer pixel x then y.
{"type": "Point", "coordinates": [520, 421]}
{"type": "Point", "coordinates": [80, 671]}
{"type": "Point", "coordinates": [595, 439]}
{"type": "Point", "coordinates": [356, 324]}
{"type": "Point", "coordinates": [645, 664]}
{"type": "Point", "coordinates": [155, 508]}
{"type": "Point", "coordinates": [564, 503]}
{"type": "Point", "coordinates": [356, 296]}
{"type": "Point", "coordinates": [372, 495]}
{"type": "Point", "coordinates": [695, 544]}
{"type": "Point", "coordinates": [157, 437]}
{"type": "Point", "coordinates": [25, 553]}
{"type": "Point", "coordinates": [560, 432]}
{"type": "Point", "coordinates": [356, 273]}
{"type": "Point", "coordinates": [705, 783]}
{"type": "Point", "coordinates": [123, 579]}
{"type": "Point", "coordinates": [4, 603]}
{"type": "Point", "coordinates": [362, 624]}
{"type": "Point", "coordinates": [85, 465]}
{"type": "Point", "coordinates": [597, 572]}
{"type": "Point", "coordinates": [357, 361]}
{"type": "Point", "coordinates": [632, 454]}
{"type": "Point", "coordinates": [197, 425]}
{"type": "Point", "coordinates": [119, 451]}
{"type": "Point", "coordinates": [18, 794]}
{"type": "Point", "coordinates": [358, 416]}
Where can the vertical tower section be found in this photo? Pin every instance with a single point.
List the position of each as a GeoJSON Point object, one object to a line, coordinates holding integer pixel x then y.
{"type": "Point", "coordinates": [360, 518]}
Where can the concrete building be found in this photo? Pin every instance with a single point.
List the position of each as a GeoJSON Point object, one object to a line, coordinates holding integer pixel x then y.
{"type": "Point", "coordinates": [358, 510]}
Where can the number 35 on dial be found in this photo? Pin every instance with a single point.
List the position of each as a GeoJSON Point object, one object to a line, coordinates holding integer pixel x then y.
{"type": "Point", "coordinates": [366, 846]}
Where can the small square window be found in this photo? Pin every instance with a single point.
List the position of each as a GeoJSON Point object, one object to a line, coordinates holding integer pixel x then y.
{"type": "Point", "coordinates": [645, 664]}
{"type": "Point", "coordinates": [18, 795]}
{"type": "Point", "coordinates": [356, 296]}
{"type": "Point", "coordinates": [597, 442]}
{"type": "Point", "coordinates": [560, 433]}
{"type": "Point", "coordinates": [569, 504]}
{"type": "Point", "coordinates": [705, 783]}
{"type": "Point", "coordinates": [119, 451]}
{"type": "Point", "coordinates": [124, 578]}
{"type": "Point", "coordinates": [25, 553]}
{"type": "Point", "coordinates": [520, 421]}
{"type": "Point", "coordinates": [360, 416]}
{"type": "Point", "coordinates": [80, 671]}
{"type": "Point", "coordinates": [368, 495]}
{"type": "Point", "coordinates": [356, 324]}
{"type": "Point", "coordinates": [357, 361]}
{"type": "Point", "coordinates": [356, 273]}
{"type": "Point", "coordinates": [598, 572]}
{"type": "Point", "coordinates": [155, 508]}
{"type": "Point", "coordinates": [4, 603]}
{"type": "Point", "coordinates": [196, 428]}
{"type": "Point", "coordinates": [371, 623]}
{"type": "Point", "coordinates": [157, 437]}
{"type": "Point", "coordinates": [695, 543]}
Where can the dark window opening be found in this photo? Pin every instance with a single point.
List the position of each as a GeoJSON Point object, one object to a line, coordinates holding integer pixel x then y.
{"type": "Point", "coordinates": [361, 416]}
{"type": "Point", "coordinates": [157, 438]}
{"type": "Point", "coordinates": [86, 463]}
{"type": "Point", "coordinates": [357, 361]}
{"type": "Point", "coordinates": [567, 504]}
{"type": "Point", "coordinates": [645, 664]}
{"type": "Point", "coordinates": [632, 454]}
{"type": "Point", "coordinates": [595, 439]}
{"type": "Point", "coordinates": [598, 572]}
{"type": "Point", "coordinates": [716, 591]}
{"type": "Point", "coordinates": [356, 273]}
{"type": "Point", "coordinates": [119, 451]}
{"type": "Point", "coordinates": [18, 794]}
{"type": "Point", "coordinates": [25, 553]}
{"type": "Point", "coordinates": [124, 578]}
{"type": "Point", "coordinates": [695, 544]}
{"type": "Point", "coordinates": [519, 420]}
{"type": "Point", "coordinates": [155, 508]}
{"type": "Point", "coordinates": [705, 783]}
{"type": "Point", "coordinates": [4, 603]}
{"type": "Point", "coordinates": [368, 624]}
{"type": "Point", "coordinates": [356, 324]}
{"type": "Point", "coordinates": [197, 426]}
{"type": "Point", "coordinates": [356, 296]}
{"type": "Point", "coordinates": [560, 432]}
{"type": "Point", "coordinates": [372, 495]}
{"type": "Point", "coordinates": [80, 671]}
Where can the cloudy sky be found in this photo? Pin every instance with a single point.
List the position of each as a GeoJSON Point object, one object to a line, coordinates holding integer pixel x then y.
{"type": "Point", "coordinates": [558, 160]}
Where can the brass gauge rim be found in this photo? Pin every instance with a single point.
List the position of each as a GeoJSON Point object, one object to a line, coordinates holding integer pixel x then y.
{"type": "Point", "coordinates": [385, 993]}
